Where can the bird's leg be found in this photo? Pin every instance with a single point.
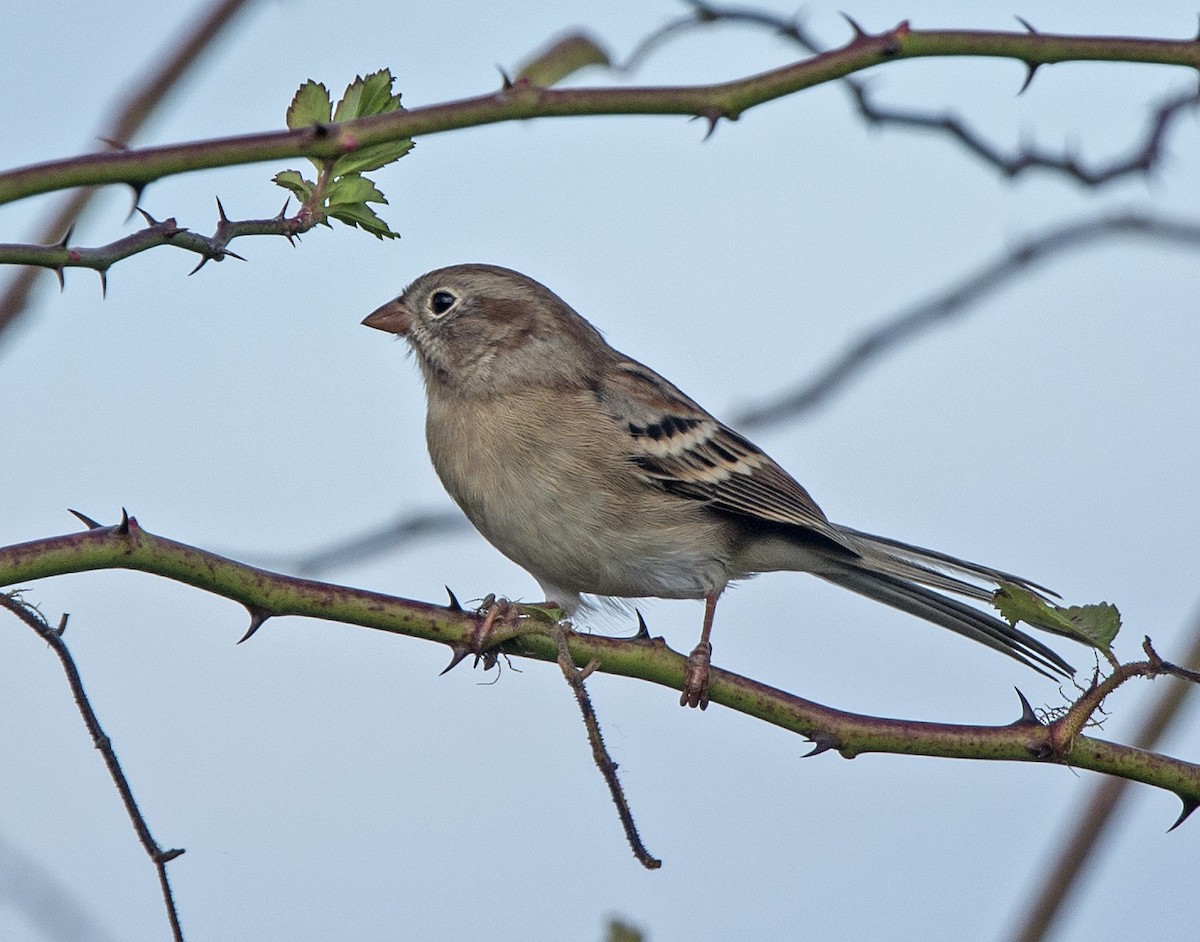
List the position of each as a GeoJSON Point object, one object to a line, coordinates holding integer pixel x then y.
{"type": "Point", "coordinates": [695, 677]}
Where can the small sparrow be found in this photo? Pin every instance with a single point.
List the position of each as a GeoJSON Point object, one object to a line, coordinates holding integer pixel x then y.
{"type": "Point", "coordinates": [599, 476]}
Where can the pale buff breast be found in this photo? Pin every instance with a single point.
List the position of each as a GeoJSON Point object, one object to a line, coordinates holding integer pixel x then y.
{"type": "Point", "coordinates": [547, 501]}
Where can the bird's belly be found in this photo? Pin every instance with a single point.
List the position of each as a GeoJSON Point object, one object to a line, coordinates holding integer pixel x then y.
{"type": "Point", "coordinates": [572, 530]}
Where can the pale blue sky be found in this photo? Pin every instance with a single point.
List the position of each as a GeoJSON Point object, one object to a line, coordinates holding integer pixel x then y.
{"type": "Point", "coordinates": [325, 781]}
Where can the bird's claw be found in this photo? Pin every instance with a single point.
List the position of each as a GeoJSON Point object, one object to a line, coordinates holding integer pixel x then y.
{"type": "Point", "coordinates": [695, 677]}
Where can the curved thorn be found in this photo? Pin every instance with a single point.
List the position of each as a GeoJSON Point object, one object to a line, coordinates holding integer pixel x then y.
{"type": "Point", "coordinates": [200, 264]}
{"type": "Point", "coordinates": [457, 655]}
{"type": "Point", "coordinates": [712, 117]}
{"type": "Point", "coordinates": [1024, 22]}
{"type": "Point", "coordinates": [643, 633]}
{"type": "Point", "coordinates": [123, 526]}
{"type": "Point", "coordinates": [150, 220]}
{"type": "Point", "coordinates": [138, 190]}
{"type": "Point", "coordinates": [506, 80]}
{"type": "Point", "coordinates": [103, 273]}
{"type": "Point", "coordinates": [167, 856]}
{"type": "Point", "coordinates": [859, 32]}
{"type": "Point", "coordinates": [62, 281]}
{"type": "Point", "coordinates": [226, 252]}
{"type": "Point", "coordinates": [822, 742]}
{"type": "Point", "coordinates": [221, 211]}
{"type": "Point", "coordinates": [84, 519]}
{"type": "Point", "coordinates": [113, 143]}
{"type": "Point", "coordinates": [283, 212]}
{"type": "Point", "coordinates": [62, 243]}
{"type": "Point", "coordinates": [1189, 805]}
{"type": "Point", "coordinates": [454, 605]}
{"type": "Point", "coordinates": [257, 617]}
{"type": "Point", "coordinates": [1028, 717]}
{"type": "Point", "coordinates": [1032, 67]}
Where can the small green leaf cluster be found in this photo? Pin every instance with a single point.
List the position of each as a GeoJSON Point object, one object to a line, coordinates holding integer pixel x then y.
{"type": "Point", "coordinates": [1096, 625]}
{"type": "Point", "coordinates": [341, 191]}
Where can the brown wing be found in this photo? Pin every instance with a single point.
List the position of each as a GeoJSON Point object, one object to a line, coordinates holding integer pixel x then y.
{"type": "Point", "coordinates": [681, 448]}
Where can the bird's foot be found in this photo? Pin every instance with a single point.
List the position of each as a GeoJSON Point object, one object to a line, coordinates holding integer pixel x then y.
{"type": "Point", "coordinates": [695, 677]}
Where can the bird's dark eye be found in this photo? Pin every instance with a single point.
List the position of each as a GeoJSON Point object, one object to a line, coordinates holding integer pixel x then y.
{"type": "Point", "coordinates": [441, 302]}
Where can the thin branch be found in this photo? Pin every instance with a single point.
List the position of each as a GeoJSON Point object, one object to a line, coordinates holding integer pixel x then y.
{"type": "Point", "coordinates": [575, 677]}
{"type": "Point", "coordinates": [210, 248]}
{"type": "Point", "coordinates": [1053, 892]}
{"type": "Point", "coordinates": [910, 323]}
{"type": "Point", "coordinates": [53, 637]}
{"type": "Point", "coordinates": [1142, 157]}
{"type": "Point", "coordinates": [266, 594]}
{"type": "Point", "coordinates": [150, 92]}
{"type": "Point", "coordinates": [523, 101]}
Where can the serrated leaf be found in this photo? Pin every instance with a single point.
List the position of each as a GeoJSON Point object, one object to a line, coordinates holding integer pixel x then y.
{"type": "Point", "coordinates": [353, 189]}
{"type": "Point", "coordinates": [1096, 625]}
{"type": "Point", "coordinates": [291, 180]}
{"type": "Point", "coordinates": [311, 105]}
{"type": "Point", "coordinates": [367, 96]}
{"type": "Point", "coordinates": [371, 158]}
{"type": "Point", "coordinates": [361, 215]}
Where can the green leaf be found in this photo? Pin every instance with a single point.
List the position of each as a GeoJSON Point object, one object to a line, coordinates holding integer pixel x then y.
{"type": "Point", "coordinates": [310, 106]}
{"type": "Point", "coordinates": [564, 57]}
{"type": "Point", "coordinates": [371, 158]}
{"type": "Point", "coordinates": [353, 189]}
{"type": "Point", "coordinates": [367, 96]}
{"type": "Point", "coordinates": [291, 180]}
{"type": "Point", "coordinates": [361, 215]}
{"type": "Point", "coordinates": [1096, 625]}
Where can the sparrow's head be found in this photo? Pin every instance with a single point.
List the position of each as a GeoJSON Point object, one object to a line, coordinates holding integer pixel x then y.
{"type": "Point", "coordinates": [481, 329]}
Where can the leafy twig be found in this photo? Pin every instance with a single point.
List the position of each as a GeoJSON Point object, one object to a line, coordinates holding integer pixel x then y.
{"type": "Point", "coordinates": [53, 637]}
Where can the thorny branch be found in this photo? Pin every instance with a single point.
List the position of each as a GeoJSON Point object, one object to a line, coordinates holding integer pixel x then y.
{"type": "Point", "coordinates": [148, 94]}
{"type": "Point", "coordinates": [267, 595]}
{"type": "Point", "coordinates": [212, 248]}
{"type": "Point", "coordinates": [53, 637]}
{"type": "Point", "coordinates": [1142, 158]}
{"type": "Point", "coordinates": [522, 100]}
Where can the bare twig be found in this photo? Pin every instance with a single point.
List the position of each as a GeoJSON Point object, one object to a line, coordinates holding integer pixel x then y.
{"type": "Point", "coordinates": [1053, 892]}
{"type": "Point", "coordinates": [1142, 158]}
{"type": "Point", "coordinates": [149, 94]}
{"type": "Point", "coordinates": [604, 762]}
{"type": "Point", "coordinates": [53, 637]}
{"type": "Point", "coordinates": [910, 323]}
